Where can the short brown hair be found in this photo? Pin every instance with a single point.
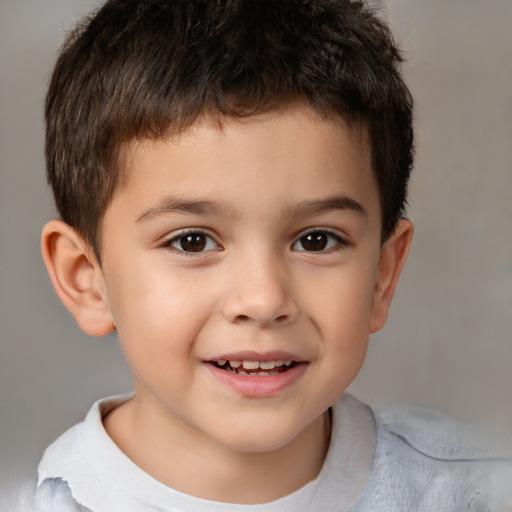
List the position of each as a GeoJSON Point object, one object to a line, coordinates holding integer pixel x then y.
{"type": "Point", "coordinates": [147, 68]}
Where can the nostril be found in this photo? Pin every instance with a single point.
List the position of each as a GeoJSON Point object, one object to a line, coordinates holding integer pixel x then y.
{"type": "Point", "coordinates": [247, 318]}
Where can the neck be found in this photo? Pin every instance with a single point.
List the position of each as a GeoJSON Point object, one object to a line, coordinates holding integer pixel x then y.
{"type": "Point", "coordinates": [195, 465]}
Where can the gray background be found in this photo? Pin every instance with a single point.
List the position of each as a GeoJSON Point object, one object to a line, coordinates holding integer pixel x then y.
{"type": "Point", "coordinates": [448, 342]}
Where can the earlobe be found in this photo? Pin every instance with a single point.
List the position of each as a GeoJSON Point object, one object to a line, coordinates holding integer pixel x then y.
{"type": "Point", "coordinates": [393, 256]}
{"type": "Point", "coordinates": [77, 277]}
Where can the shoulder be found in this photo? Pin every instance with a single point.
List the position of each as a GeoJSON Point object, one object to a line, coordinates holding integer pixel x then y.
{"type": "Point", "coordinates": [54, 495]}
{"type": "Point", "coordinates": [435, 436]}
{"type": "Point", "coordinates": [428, 461]}
{"type": "Point", "coordinates": [62, 464]}
{"type": "Point", "coordinates": [68, 470]}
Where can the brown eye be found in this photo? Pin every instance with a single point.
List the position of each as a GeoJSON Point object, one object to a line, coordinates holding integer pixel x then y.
{"type": "Point", "coordinates": [317, 241]}
{"type": "Point", "coordinates": [314, 241]}
{"type": "Point", "coordinates": [192, 242]}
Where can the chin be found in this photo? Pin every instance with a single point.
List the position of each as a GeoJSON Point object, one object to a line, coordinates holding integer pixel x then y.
{"type": "Point", "coordinates": [259, 436]}
{"type": "Point", "coordinates": [259, 444]}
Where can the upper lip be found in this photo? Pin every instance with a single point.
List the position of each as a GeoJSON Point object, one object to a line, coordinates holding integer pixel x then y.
{"type": "Point", "coordinates": [248, 355]}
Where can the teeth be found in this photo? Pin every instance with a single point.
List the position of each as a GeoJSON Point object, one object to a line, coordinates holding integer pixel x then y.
{"type": "Point", "coordinates": [267, 366]}
{"type": "Point", "coordinates": [251, 365]}
{"type": "Point", "coordinates": [263, 365]}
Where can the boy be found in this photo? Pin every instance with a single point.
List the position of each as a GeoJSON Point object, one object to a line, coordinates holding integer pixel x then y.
{"type": "Point", "coordinates": [231, 178]}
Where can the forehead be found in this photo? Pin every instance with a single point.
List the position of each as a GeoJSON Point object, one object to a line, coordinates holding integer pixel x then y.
{"type": "Point", "coordinates": [292, 154]}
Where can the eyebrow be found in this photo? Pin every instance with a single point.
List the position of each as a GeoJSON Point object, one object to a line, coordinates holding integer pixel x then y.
{"type": "Point", "coordinates": [319, 206]}
{"type": "Point", "coordinates": [177, 205]}
{"type": "Point", "coordinates": [303, 209]}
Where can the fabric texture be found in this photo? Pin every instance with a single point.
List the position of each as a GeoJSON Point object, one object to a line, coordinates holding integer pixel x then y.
{"type": "Point", "coordinates": [377, 461]}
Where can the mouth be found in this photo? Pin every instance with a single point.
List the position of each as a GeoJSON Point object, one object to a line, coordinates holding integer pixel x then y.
{"type": "Point", "coordinates": [253, 375]}
{"type": "Point", "coordinates": [253, 368]}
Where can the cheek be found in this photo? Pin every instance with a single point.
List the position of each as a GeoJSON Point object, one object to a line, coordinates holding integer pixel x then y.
{"type": "Point", "coordinates": [157, 319]}
{"type": "Point", "coordinates": [340, 303]}
{"type": "Point", "coordinates": [345, 336]}
{"type": "Point", "coordinates": [340, 311]}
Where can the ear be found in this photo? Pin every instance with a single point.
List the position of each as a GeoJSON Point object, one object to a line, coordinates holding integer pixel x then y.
{"type": "Point", "coordinates": [392, 259]}
{"type": "Point", "coordinates": [77, 277]}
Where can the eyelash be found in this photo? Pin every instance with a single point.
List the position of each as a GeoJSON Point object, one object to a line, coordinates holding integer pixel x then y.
{"type": "Point", "coordinates": [339, 244]}
{"type": "Point", "coordinates": [169, 243]}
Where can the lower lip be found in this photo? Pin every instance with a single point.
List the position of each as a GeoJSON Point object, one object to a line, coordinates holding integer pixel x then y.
{"type": "Point", "coordinates": [258, 386]}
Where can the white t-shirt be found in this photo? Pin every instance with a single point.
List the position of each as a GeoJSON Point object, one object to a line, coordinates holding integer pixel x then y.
{"type": "Point", "coordinates": [376, 462]}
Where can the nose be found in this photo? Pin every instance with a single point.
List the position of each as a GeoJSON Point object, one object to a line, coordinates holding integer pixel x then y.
{"type": "Point", "coordinates": [260, 293]}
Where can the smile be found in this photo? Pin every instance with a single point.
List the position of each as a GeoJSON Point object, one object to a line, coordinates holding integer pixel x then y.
{"type": "Point", "coordinates": [255, 368]}
{"type": "Point", "coordinates": [247, 375]}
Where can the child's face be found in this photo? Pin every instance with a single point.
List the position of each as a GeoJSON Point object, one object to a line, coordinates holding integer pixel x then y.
{"type": "Point", "coordinates": [257, 242]}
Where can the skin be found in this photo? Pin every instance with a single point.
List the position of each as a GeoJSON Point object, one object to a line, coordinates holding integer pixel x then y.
{"type": "Point", "coordinates": [252, 191]}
